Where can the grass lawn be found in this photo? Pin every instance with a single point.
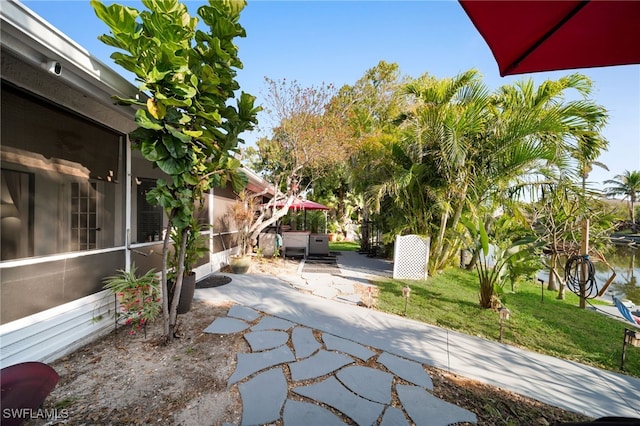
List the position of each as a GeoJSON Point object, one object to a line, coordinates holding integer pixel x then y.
{"type": "Point", "coordinates": [553, 327]}
{"type": "Point", "coordinates": [343, 246]}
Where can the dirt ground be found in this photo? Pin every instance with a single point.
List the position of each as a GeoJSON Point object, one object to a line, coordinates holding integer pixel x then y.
{"type": "Point", "coordinates": [132, 380]}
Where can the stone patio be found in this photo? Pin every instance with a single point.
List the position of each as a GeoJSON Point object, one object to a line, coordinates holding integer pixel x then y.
{"type": "Point", "coordinates": [303, 376]}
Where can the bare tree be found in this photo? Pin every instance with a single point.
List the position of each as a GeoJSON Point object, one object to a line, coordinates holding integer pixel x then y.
{"type": "Point", "coordinates": [308, 138]}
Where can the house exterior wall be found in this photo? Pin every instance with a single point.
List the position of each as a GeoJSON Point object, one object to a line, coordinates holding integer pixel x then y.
{"type": "Point", "coordinates": [70, 217]}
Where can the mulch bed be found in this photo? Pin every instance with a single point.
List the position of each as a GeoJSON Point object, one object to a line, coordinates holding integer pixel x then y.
{"type": "Point", "coordinates": [213, 281]}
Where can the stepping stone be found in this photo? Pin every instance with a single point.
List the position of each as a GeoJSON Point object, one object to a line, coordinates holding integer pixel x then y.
{"type": "Point", "coordinates": [426, 409]}
{"type": "Point", "coordinates": [304, 413]}
{"type": "Point", "coordinates": [262, 397]}
{"type": "Point", "coordinates": [243, 313]}
{"type": "Point", "coordinates": [269, 339]}
{"type": "Point", "coordinates": [393, 417]}
{"type": "Point", "coordinates": [318, 365]}
{"type": "Point", "coordinates": [347, 346]}
{"type": "Point", "coordinates": [253, 362]}
{"type": "Point", "coordinates": [369, 383]}
{"type": "Point", "coordinates": [410, 371]}
{"type": "Point", "coordinates": [331, 392]}
{"type": "Point", "coordinates": [226, 326]}
{"type": "Point", "coordinates": [272, 323]}
{"type": "Point", "coordinates": [304, 343]}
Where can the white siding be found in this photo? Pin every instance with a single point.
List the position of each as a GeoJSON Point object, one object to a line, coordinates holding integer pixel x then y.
{"type": "Point", "coordinates": [54, 333]}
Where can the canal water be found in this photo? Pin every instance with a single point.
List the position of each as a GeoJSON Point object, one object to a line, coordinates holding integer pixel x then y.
{"type": "Point", "coordinates": [625, 261]}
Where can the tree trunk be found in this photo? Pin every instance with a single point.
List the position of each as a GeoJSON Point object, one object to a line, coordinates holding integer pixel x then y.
{"type": "Point", "coordinates": [446, 252]}
{"type": "Point", "coordinates": [165, 287]}
{"type": "Point", "coordinates": [173, 311]}
{"type": "Point", "coordinates": [437, 247]}
{"type": "Point", "coordinates": [553, 286]}
{"type": "Point", "coordinates": [261, 224]}
{"type": "Point", "coordinates": [474, 260]}
{"type": "Point", "coordinates": [561, 287]}
{"type": "Point", "coordinates": [169, 313]}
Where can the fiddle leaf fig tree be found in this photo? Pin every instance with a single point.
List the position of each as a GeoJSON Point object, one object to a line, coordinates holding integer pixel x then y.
{"type": "Point", "coordinates": [186, 127]}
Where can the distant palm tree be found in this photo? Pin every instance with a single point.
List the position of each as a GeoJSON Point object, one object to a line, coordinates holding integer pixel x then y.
{"type": "Point", "coordinates": [627, 185]}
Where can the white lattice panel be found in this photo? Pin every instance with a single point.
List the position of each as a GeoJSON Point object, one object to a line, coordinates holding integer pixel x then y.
{"type": "Point", "coordinates": [411, 257]}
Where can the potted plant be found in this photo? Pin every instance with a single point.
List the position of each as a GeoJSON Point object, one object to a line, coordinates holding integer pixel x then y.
{"type": "Point", "coordinates": [333, 229]}
{"type": "Point", "coordinates": [138, 297]}
{"type": "Point", "coordinates": [195, 248]}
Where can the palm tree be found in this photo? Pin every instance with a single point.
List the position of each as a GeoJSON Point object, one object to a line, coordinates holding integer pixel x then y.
{"type": "Point", "coordinates": [627, 185]}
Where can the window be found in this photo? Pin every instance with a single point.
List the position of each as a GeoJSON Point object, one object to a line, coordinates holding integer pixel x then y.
{"type": "Point", "coordinates": [60, 174]}
{"type": "Point", "coordinates": [84, 216]}
{"type": "Point", "coordinates": [149, 217]}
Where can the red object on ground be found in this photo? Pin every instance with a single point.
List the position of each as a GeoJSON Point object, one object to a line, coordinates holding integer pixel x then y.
{"type": "Point", "coordinates": [534, 36]}
{"type": "Point", "coordinates": [24, 386]}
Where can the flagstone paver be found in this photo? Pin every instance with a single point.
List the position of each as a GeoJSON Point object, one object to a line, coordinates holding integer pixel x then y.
{"type": "Point", "coordinates": [267, 339]}
{"type": "Point", "coordinates": [321, 363]}
{"type": "Point", "coordinates": [367, 382]}
{"type": "Point", "coordinates": [243, 313]}
{"type": "Point", "coordinates": [331, 392]}
{"type": "Point", "coordinates": [307, 414]}
{"type": "Point", "coordinates": [347, 346]}
{"type": "Point", "coordinates": [363, 394]}
{"type": "Point", "coordinates": [263, 397]}
{"type": "Point", "coordinates": [304, 342]}
{"type": "Point", "coordinates": [410, 371]}
{"type": "Point", "coordinates": [393, 417]}
{"type": "Point", "coordinates": [226, 326]}
{"type": "Point", "coordinates": [254, 362]}
{"type": "Point", "coordinates": [426, 409]}
{"type": "Point", "coordinates": [272, 323]}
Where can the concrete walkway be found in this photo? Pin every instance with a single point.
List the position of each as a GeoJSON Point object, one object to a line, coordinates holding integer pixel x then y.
{"type": "Point", "coordinates": [572, 386]}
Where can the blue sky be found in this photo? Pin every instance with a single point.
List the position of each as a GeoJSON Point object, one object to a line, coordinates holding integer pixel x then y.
{"type": "Point", "coordinates": [337, 41]}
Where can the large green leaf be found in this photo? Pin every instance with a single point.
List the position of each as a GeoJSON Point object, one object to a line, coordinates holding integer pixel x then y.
{"type": "Point", "coordinates": [213, 116]}
{"type": "Point", "coordinates": [173, 166]}
{"type": "Point", "coordinates": [484, 238]}
{"type": "Point", "coordinates": [175, 146]}
{"type": "Point", "coordinates": [176, 133]}
{"type": "Point", "coordinates": [118, 18]}
{"type": "Point", "coordinates": [239, 181]}
{"type": "Point", "coordinates": [184, 90]}
{"type": "Point", "coordinates": [153, 151]}
{"type": "Point", "coordinates": [145, 120]}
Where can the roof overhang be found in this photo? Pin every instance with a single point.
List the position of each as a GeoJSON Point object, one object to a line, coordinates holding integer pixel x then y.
{"type": "Point", "coordinates": [32, 39]}
{"type": "Point", "coordinates": [257, 184]}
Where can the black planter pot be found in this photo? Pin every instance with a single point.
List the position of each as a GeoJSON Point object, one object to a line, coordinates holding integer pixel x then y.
{"type": "Point", "coordinates": [186, 294]}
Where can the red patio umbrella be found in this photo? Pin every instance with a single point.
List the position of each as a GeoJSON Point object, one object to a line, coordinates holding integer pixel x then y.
{"type": "Point", "coordinates": [301, 204]}
{"type": "Point", "coordinates": [532, 36]}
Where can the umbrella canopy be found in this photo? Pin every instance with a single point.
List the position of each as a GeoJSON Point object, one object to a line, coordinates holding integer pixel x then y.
{"type": "Point", "coordinates": [533, 36]}
{"type": "Point", "coordinates": [300, 204]}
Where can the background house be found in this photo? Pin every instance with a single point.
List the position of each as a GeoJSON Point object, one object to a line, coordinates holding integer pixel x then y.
{"type": "Point", "coordinates": [73, 207]}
